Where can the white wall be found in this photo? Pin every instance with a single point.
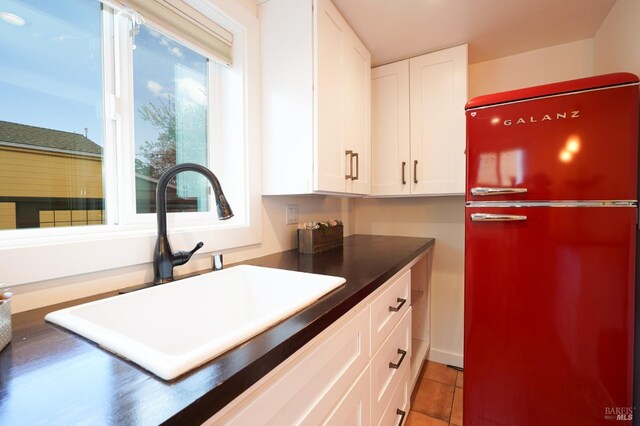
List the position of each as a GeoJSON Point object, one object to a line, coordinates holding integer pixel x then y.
{"type": "Point", "coordinates": [443, 219]}
{"type": "Point", "coordinates": [556, 63]}
{"type": "Point", "coordinates": [617, 42]}
{"type": "Point", "coordinates": [276, 237]}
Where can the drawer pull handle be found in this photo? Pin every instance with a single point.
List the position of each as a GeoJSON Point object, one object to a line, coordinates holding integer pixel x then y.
{"type": "Point", "coordinates": [402, 355]}
{"type": "Point", "coordinates": [400, 303]}
{"type": "Point", "coordinates": [400, 413]}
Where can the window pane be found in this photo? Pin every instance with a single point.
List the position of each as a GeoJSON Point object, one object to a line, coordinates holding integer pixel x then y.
{"type": "Point", "coordinates": [51, 126]}
{"type": "Point", "coordinates": [170, 99]}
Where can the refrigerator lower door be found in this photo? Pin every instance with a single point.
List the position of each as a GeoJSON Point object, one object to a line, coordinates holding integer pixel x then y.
{"type": "Point", "coordinates": [549, 304]}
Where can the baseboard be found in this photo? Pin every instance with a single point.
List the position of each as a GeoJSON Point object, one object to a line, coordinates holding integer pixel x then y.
{"type": "Point", "coordinates": [443, 357]}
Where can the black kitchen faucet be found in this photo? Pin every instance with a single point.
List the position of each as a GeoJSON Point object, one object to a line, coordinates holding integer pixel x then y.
{"type": "Point", "coordinates": [163, 258]}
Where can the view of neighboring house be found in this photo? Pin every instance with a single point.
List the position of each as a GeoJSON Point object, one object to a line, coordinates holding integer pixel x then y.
{"type": "Point", "coordinates": [48, 178]}
{"type": "Point", "coordinates": [54, 178]}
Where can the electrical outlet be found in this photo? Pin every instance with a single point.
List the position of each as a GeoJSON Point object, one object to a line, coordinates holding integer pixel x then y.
{"type": "Point", "coordinates": [292, 214]}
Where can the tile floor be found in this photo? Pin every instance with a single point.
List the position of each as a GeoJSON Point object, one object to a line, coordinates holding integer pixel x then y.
{"type": "Point", "coordinates": [437, 397]}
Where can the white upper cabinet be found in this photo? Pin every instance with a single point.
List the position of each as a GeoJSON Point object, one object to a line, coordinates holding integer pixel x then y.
{"type": "Point", "coordinates": [315, 100]}
{"type": "Point", "coordinates": [390, 136]}
{"type": "Point", "coordinates": [419, 126]}
{"type": "Point", "coordinates": [438, 85]}
{"type": "Point", "coordinates": [357, 115]}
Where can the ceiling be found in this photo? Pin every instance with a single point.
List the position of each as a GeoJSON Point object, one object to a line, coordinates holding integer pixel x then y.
{"type": "Point", "coordinates": [399, 29]}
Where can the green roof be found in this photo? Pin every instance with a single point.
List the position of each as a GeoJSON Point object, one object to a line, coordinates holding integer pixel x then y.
{"type": "Point", "coordinates": [46, 139]}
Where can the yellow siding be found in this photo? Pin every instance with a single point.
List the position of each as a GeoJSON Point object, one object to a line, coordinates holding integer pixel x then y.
{"type": "Point", "coordinates": [46, 216]}
{"type": "Point", "coordinates": [43, 174]}
{"type": "Point", "coordinates": [79, 216]}
{"type": "Point", "coordinates": [94, 216]}
{"type": "Point", "coordinates": [7, 216]}
{"type": "Point", "coordinates": [63, 215]}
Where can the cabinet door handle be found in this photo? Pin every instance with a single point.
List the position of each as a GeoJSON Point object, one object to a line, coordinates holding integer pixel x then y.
{"type": "Point", "coordinates": [415, 171]}
{"type": "Point", "coordinates": [400, 413]}
{"type": "Point", "coordinates": [350, 154]}
{"type": "Point", "coordinates": [355, 155]}
{"type": "Point", "coordinates": [401, 302]}
{"type": "Point", "coordinates": [404, 166]}
{"type": "Point", "coordinates": [402, 355]}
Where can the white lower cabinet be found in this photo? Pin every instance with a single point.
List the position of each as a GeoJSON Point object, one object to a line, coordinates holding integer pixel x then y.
{"type": "Point", "coordinates": [356, 372]}
{"type": "Point", "coordinates": [307, 389]}
{"type": "Point", "coordinates": [396, 412]}
{"type": "Point", "coordinates": [389, 365]}
{"type": "Point", "coordinates": [354, 409]}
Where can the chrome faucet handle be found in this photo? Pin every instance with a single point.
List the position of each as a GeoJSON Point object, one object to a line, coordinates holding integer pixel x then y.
{"type": "Point", "coordinates": [217, 262]}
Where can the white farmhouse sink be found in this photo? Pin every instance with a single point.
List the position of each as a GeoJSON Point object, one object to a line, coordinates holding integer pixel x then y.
{"type": "Point", "coordinates": [172, 328]}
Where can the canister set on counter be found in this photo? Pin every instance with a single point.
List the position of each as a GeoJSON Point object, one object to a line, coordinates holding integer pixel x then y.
{"type": "Point", "coordinates": [5, 317]}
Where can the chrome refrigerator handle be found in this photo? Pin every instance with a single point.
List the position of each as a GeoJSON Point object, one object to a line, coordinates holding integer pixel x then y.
{"type": "Point", "coordinates": [489, 217]}
{"type": "Point", "coordinates": [481, 190]}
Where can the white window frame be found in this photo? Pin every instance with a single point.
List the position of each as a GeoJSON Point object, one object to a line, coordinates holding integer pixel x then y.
{"type": "Point", "coordinates": [128, 239]}
{"type": "Point", "coordinates": [127, 214]}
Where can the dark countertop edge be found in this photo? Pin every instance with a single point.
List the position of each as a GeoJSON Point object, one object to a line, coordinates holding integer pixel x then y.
{"type": "Point", "coordinates": [213, 400]}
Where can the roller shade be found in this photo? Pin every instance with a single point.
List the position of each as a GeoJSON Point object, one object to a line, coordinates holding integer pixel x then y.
{"type": "Point", "coordinates": [186, 21]}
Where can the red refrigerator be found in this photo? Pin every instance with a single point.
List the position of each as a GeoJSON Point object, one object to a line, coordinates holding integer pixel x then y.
{"type": "Point", "coordinates": [550, 256]}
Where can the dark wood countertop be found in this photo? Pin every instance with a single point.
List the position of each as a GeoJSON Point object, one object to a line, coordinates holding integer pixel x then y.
{"type": "Point", "coordinates": [51, 376]}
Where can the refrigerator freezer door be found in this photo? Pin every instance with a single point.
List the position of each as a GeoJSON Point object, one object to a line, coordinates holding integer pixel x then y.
{"type": "Point", "coordinates": [549, 316]}
{"type": "Point", "coordinates": [581, 146]}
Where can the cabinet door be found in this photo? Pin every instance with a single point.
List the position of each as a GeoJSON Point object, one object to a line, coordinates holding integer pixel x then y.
{"type": "Point", "coordinates": [354, 409]}
{"type": "Point", "coordinates": [438, 92]}
{"type": "Point", "coordinates": [331, 162]}
{"type": "Point", "coordinates": [389, 365]}
{"type": "Point", "coordinates": [357, 113]}
{"type": "Point", "coordinates": [312, 386]}
{"type": "Point", "coordinates": [390, 153]}
{"type": "Point", "coordinates": [398, 409]}
{"type": "Point", "coordinates": [287, 69]}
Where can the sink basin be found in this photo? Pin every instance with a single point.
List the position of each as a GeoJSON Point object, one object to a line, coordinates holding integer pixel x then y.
{"type": "Point", "coordinates": [173, 328]}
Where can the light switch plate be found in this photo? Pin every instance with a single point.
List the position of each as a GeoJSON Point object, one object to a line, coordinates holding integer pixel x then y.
{"type": "Point", "coordinates": [292, 214]}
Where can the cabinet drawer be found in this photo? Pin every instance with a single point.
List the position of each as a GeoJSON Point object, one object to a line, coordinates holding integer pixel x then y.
{"type": "Point", "coordinates": [397, 410]}
{"type": "Point", "coordinates": [389, 365]}
{"type": "Point", "coordinates": [354, 409]}
{"type": "Point", "coordinates": [388, 308]}
{"type": "Point", "coordinates": [312, 386]}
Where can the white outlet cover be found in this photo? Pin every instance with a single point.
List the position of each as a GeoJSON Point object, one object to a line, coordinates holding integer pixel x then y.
{"type": "Point", "coordinates": [292, 214]}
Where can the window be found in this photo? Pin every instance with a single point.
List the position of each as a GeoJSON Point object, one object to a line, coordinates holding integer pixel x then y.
{"type": "Point", "coordinates": [53, 119]}
{"type": "Point", "coordinates": [51, 127]}
{"type": "Point", "coordinates": [171, 103]}
{"type": "Point", "coordinates": [99, 97]}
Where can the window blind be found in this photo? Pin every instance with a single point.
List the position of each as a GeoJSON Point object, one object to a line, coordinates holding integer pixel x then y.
{"type": "Point", "coordinates": [187, 22]}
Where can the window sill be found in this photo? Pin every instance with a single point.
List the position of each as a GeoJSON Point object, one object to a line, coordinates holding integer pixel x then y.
{"type": "Point", "coordinates": [30, 259]}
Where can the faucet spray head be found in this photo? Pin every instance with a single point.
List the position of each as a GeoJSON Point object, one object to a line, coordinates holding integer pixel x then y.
{"type": "Point", "coordinates": [224, 210]}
